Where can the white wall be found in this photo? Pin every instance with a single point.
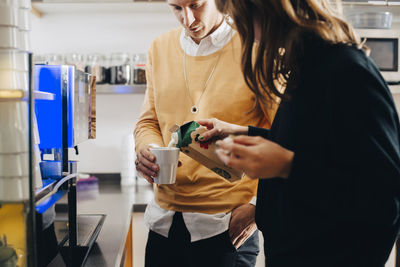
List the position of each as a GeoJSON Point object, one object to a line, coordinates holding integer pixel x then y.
{"type": "Point", "coordinates": [106, 29]}
{"type": "Point", "coordinates": [89, 28]}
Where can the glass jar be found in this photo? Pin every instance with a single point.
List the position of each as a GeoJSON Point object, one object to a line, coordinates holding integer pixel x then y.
{"type": "Point", "coordinates": [76, 60]}
{"type": "Point", "coordinates": [53, 59]}
{"type": "Point", "coordinates": [120, 70]}
{"type": "Point", "coordinates": [97, 66]}
{"type": "Point", "coordinates": [139, 68]}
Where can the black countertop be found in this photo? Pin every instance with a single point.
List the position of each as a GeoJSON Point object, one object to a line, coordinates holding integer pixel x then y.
{"type": "Point", "coordinates": [117, 203]}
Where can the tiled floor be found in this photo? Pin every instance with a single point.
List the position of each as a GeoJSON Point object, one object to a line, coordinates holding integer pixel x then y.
{"type": "Point", "coordinates": [140, 238]}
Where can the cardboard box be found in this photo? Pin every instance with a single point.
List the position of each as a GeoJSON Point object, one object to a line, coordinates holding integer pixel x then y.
{"type": "Point", "coordinates": [203, 152]}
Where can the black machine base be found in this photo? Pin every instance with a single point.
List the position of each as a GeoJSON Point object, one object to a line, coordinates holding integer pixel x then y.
{"type": "Point", "coordinates": [89, 226]}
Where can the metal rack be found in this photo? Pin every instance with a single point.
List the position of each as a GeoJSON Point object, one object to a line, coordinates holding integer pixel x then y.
{"type": "Point", "coordinates": [121, 89]}
{"type": "Point", "coordinates": [371, 3]}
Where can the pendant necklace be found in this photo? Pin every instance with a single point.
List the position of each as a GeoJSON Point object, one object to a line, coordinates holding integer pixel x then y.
{"type": "Point", "coordinates": [195, 109]}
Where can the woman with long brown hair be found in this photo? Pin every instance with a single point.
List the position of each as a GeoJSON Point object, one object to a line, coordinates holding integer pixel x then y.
{"type": "Point", "coordinates": [329, 167]}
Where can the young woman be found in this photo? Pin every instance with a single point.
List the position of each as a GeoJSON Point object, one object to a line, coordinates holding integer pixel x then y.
{"type": "Point", "coordinates": [330, 164]}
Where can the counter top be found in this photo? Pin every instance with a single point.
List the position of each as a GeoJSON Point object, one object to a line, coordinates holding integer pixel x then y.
{"type": "Point", "coordinates": [117, 203]}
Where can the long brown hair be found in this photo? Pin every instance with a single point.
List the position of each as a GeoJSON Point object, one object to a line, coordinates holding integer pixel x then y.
{"type": "Point", "coordinates": [282, 22]}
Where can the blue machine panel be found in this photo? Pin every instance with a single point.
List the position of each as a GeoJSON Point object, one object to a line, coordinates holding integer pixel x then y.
{"type": "Point", "coordinates": [49, 78]}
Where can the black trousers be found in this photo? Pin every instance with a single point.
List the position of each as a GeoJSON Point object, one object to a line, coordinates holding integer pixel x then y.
{"type": "Point", "coordinates": [178, 251]}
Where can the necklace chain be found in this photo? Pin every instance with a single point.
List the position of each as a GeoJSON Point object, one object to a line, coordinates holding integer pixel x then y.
{"type": "Point", "coordinates": [194, 109]}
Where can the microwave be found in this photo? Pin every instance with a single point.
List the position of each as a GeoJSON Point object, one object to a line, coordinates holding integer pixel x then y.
{"type": "Point", "coordinates": [385, 48]}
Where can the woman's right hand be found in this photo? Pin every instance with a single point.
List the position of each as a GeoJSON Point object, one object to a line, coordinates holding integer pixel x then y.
{"type": "Point", "coordinates": [145, 164]}
{"type": "Point", "coordinates": [220, 129]}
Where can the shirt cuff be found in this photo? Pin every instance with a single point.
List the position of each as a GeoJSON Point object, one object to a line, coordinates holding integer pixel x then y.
{"type": "Point", "coordinates": [253, 201]}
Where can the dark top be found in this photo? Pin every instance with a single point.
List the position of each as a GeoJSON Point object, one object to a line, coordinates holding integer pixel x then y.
{"type": "Point", "coordinates": [340, 205]}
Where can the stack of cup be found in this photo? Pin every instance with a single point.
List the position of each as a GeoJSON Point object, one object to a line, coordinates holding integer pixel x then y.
{"type": "Point", "coordinates": [24, 24]}
{"type": "Point", "coordinates": [14, 150]}
{"type": "Point", "coordinates": [36, 155]}
{"type": "Point", "coordinates": [14, 44]}
{"type": "Point", "coordinates": [128, 169]}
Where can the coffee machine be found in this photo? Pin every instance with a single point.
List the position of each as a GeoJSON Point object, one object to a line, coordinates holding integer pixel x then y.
{"type": "Point", "coordinates": [63, 123]}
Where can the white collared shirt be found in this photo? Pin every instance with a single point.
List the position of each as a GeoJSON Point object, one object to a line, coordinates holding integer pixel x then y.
{"type": "Point", "coordinates": [199, 225]}
{"type": "Point", "coordinates": [212, 43]}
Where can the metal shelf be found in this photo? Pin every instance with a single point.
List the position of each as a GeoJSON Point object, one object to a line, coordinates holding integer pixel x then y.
{"type": "Point", "coordinates": [12, 95]}
{"type": "Point", "coordinates": [370, 3]}
{"type": "Point", "coordinates": [22, 95]}
{"type": "Point", "coordinates": [120, 89]}
{"type": "Point", "coordinates": [43, 95]}
{"type": "Point", "coordinates": [48, 185]}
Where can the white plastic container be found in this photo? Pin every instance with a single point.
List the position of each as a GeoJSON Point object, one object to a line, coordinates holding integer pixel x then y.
{"type": "Point", "coordinates": [14, 3]}
{"type": "Point", "coordinates": [23, 80]}
{"type": "Point", "coordinates": [36, 167]}
{"type": "Point", "coordinates": [13, 80]}
{"type": "Point", "coordinates": [9, 37]}
{"type": "Point", "coordinates": [25, 4]}
{"type": "Point", "coordinates": [13, 60]}
{"type": "Point", "coordinates": [24, 40]}
{"type": "Point", "coordinates": [14, 188]}
{"type": "Point", "coordinates": [14, 165]}
{"type": "Point", "coordinates": [8, 15]}
{"type": "Point", "coordinates": [24, 19]}
{"type": "Point", "coordinates": [128, 168]}
{"type": "Point", "coordinates": [9, 80]}
{"type": "Point", "coordinates": [14, 128]}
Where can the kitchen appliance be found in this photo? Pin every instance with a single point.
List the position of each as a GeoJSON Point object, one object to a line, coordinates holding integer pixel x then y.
{"type": "Point", "coordinates": [371, 20]}
{"type": "Point", "coordinates": [63, 124]}
{"type": "Point", "coordinates": [79, 92]}
{"type": "Point", "coordinates": [385, 46]}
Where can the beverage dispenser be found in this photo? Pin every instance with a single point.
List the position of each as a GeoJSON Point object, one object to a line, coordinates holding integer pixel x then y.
{"type": "Point", "coordinates": [63, 123]}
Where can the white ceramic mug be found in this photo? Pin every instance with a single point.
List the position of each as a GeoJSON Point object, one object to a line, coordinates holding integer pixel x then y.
{"type": "Point", "coordinates": [167, 160]}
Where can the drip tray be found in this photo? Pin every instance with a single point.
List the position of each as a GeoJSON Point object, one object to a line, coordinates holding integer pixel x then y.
{"type": "Point", "coordinates": [89, 226]}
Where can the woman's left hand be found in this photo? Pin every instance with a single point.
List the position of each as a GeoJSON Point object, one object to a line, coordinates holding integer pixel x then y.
{"type": "Point", "coordinates": [255, 156]}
